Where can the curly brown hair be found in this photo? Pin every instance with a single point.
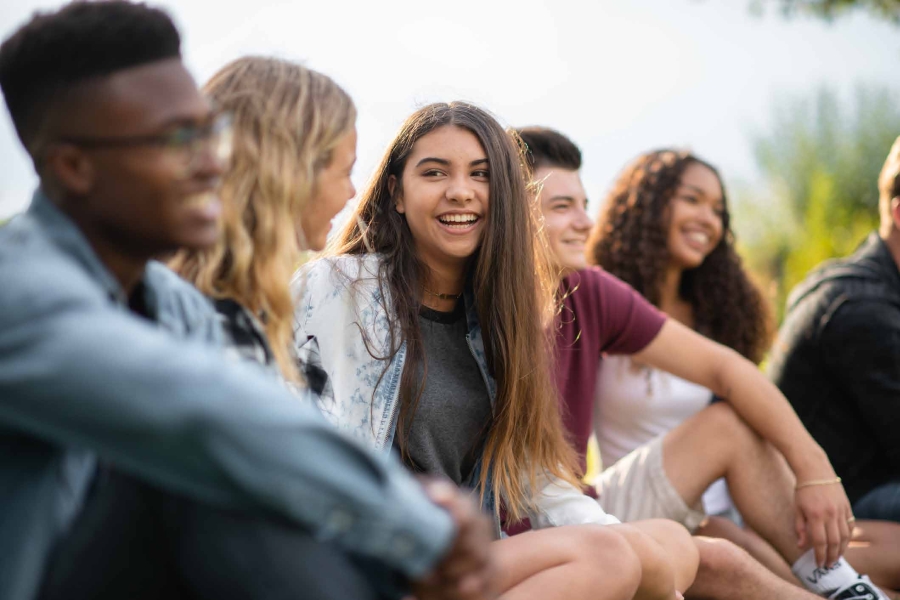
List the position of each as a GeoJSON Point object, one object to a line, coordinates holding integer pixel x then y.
{"type": "Point", "coordinates": [630, 240]}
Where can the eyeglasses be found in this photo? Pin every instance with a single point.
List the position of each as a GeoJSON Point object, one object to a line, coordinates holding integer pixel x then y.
{"type": "Point", "coordinates": [188, 144]}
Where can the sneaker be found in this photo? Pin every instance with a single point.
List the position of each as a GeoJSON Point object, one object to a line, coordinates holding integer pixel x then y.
{"type": "Point", "coordinates": [862, 589]}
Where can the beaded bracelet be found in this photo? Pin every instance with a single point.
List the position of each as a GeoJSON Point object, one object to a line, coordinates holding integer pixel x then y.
{"type": "Point", "coordinates": [817, 482]}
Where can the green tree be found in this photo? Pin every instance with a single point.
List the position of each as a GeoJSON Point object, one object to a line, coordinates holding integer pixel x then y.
{"type": "Point", "coordinates": [819, 162]}
{"type": "Point", "coordinates": [829, 9]}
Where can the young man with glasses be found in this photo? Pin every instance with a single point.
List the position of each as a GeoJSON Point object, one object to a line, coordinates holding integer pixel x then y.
{"type": "Point", "coordinates": [135, 462]}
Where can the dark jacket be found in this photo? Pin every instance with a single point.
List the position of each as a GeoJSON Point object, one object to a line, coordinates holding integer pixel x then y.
{"type": "Point", "coordinates": [837, 359]}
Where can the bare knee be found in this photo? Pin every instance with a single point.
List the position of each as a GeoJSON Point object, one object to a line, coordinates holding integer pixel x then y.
{"type": "Point", "coordinates": [720, 527]}
{"type": "Point", "coordinates": [720, 423]}
{"type": "Point", "coordinates": [609, 558]}
{"type": "Point", "coordinates": [723, 568]}
{"type": "Point", "coordinates": [655, 546]}
{"type": "Point", "coordinates": [718, 556]}
{"type": "Point", "coordinates": [677, 544]}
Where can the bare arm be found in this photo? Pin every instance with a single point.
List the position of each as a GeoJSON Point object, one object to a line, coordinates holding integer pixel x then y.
{"type": "Point", "coordinates": [822, 510]}
{"type": "Point", "coordinates": [684, 353]}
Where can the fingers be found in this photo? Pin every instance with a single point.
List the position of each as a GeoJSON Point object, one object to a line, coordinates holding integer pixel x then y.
{"type": "Point", "coordinates": [441, 492]}
{"type": "Point", "coordinates": [800, 528]}
{"type": "Point", "coordinates": [819, 539]}
{"type": "Point", "coordinates": [846, 525]}
{"type": "Point", "coordinates": [845, 530]}
{"type": "Point", "coordinates": [834, 539]}
{"type": "Point", "coordinates": [466, 572]}
{"type": "Point", "coordinates": [825, 512]}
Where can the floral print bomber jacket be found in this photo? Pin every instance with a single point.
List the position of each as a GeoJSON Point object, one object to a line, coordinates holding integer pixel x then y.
{"type": "Point", "coordinates": [340, 320]}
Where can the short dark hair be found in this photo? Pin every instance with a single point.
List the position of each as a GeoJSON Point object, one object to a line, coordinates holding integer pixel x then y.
{"type": "Point", "coordinates": [55, 51]}
{"type": "Point", "coordinates": [547, 147]}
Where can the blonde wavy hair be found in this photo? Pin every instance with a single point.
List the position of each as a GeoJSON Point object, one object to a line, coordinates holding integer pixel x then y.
{"type": "Point", "coordinates": [287, 121]}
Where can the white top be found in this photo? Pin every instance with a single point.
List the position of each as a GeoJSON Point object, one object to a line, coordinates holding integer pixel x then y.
{"type": "Point", "coordinates": [635, 404]}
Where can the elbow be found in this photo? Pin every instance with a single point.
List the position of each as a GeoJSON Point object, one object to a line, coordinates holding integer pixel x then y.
{"type": "Point", "coordinates": [727, 369]}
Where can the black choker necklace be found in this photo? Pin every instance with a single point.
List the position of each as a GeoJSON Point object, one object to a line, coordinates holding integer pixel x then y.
{"type": "Point", "coordinates": [443, 296]}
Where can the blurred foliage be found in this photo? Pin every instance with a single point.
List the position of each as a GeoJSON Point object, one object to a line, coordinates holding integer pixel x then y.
{"type": "Point", "coordinates": [819, 165]}
{"type": "Point", "coordinates": [888, 10]}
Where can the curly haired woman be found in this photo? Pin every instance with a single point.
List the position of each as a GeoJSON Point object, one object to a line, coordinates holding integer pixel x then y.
{"type": "Point", "coordinates": [665, 464]}
{"type": "Point", "coordinates": [666, 231]}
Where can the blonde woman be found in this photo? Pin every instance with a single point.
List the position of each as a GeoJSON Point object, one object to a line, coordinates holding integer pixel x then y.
{"type": "Point", "coordinates": [294, 149]}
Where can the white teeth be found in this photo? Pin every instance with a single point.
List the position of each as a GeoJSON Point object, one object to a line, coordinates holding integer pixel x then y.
{"type": "Point", "coordinates": [701, 238]}
{"type": "Point", "coordinates": [200, 200]}
{"type": "Point", "coordinates": [466, 219]}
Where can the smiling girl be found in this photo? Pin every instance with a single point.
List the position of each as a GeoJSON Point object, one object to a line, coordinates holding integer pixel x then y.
{"type": "Point", "coordinates": [666, 230]}
{"type": "Point", "coordinates": [430, 319]}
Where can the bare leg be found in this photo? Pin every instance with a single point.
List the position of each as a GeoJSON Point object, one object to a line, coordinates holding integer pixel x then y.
{"type": "Point", "coordinates": [572, 563]}
{"type": "Point", "coordinates": [667, 553]}
{"type": "Point", "coordinates": [727, 572]}
{"type": "Point", "coordinates": [874, 549]}
{"type": "Point", "coordinates": [748, 540]}
{"type": "Point", "coordinates": [715, 443]}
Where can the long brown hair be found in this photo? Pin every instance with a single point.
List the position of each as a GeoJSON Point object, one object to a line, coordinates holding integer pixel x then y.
{"type": "Point", "coordinates": [287, 121]}
{"type": "Point", "coordinates": [513, 286]}
{"type": "Point", "coordinates": [630, 240]}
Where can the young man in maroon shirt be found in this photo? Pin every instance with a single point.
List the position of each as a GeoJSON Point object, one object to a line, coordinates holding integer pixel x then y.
{"type": "Point", "coordinates": [735, 439]}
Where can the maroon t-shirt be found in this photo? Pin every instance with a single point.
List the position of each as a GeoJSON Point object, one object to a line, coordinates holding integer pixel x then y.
{"type": "Point", "coordinates": [600, 314]}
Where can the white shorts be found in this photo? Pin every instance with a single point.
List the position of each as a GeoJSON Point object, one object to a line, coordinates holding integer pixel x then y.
{"type": "Point", "coordinates": [637, 488]}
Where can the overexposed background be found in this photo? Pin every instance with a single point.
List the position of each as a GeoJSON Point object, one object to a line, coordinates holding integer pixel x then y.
{"type": "Point", "coordinates": [619, 77]}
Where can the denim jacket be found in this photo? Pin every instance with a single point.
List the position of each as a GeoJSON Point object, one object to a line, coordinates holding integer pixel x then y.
{"type": "Point", "coordinates": [337, 299]}
{"type": "Point", "coordinates": [837, 359]}
{"type": "Point", "coordinates": [82, 377]}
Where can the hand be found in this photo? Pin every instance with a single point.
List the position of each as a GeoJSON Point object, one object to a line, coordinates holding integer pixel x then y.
{"type": "Point", "coordinates": [467, 570]}
{"type": "Point", "coordinates": [823, 521]}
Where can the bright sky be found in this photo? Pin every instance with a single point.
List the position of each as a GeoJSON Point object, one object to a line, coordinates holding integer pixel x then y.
{"type": "Point", "coordinates": [618, 77]}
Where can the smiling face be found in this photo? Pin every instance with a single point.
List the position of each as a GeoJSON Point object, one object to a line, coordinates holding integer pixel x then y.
{"type": "Point", "coordinates": [333, 190]}
{"type": "Point", "coordinates": [443, 193]}
{"type": "Point", "coordinates": [695, 217]}
{"type": "Point", "coordinates": [141, 200]}
{"type": "Point", "coordinates": [566, 223]}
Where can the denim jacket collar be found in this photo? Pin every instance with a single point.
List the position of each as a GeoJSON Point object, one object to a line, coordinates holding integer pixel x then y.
{"type": "Point", "coordinates": [164, 297]}
{"type": "Point", "coordinates": [66, 235]}
{"type": "Point", "coordinates": [337, 299]}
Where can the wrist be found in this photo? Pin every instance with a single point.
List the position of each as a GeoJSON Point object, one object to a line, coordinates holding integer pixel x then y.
{"type": "Point", "coordinates": [811, 464]}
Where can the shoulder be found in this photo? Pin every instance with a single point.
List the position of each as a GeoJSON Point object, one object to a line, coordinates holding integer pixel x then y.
{"type": "Point", "coordinates": [37, 276]}
{"type": "Point", "coordinates": [603, 290]}
{"type": "Point", "coordinates": [336, 272]}
{"type": "Point", "coordinates": [872, 319]}
{"type": "Point", "coordinates": [595, 280]}
{"type": "Point", "coordinates": [334, 291]}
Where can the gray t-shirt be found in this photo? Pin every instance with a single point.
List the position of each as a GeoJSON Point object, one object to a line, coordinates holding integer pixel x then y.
{"type": "Point", "coordinates": [454, 413]}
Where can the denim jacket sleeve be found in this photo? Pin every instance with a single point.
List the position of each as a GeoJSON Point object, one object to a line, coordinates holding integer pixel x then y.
{"type": "Point", "coordinates": [79, 372]}
{"type": "Point", "coordinates": [861, 345]}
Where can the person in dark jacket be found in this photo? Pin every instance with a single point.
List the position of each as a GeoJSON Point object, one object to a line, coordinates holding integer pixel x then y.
{"type": "Point", "coordinates": [837, 358]}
